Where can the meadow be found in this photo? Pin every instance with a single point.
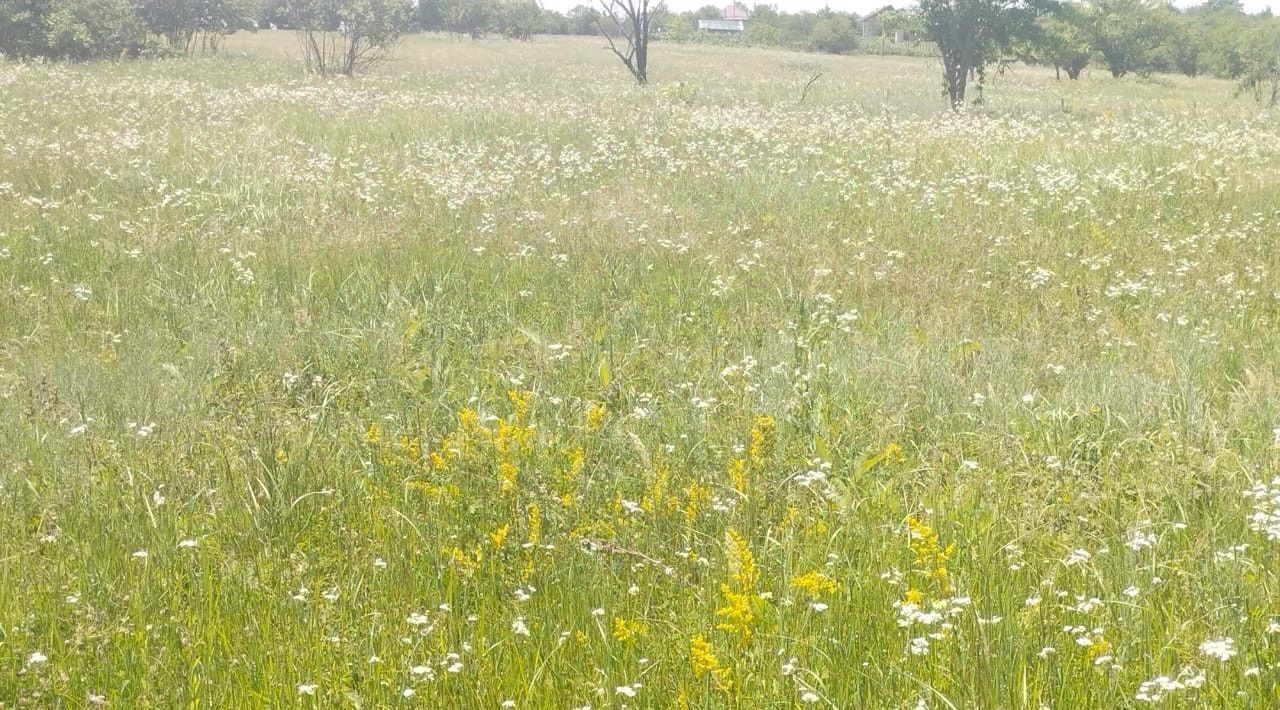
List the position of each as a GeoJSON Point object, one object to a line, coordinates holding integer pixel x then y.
{"type": "Point", "coordinates": [491, 380]}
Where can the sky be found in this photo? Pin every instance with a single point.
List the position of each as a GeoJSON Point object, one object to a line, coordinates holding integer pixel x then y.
{"type": "Point", "coordinates": [860, 7]}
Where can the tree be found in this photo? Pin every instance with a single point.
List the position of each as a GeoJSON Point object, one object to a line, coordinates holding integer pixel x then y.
{"type": "Point", "coordinates": [195, 26]}
{"type": "Point", "coordinates": [517, 19]}
{"type": "Point", "coordinates": [91, 29]}
{"type": "Point", "coordinates": [1127, 34]}
{"type": "Point", "coordinates": [1061, 39]}
{"type": "Point", "coordinates": [24, 27]}
{"type": "Point", "coordinates": [632, 22]}
{"type": "Point", "coordinates": [1260, 54]}
{"type": "Point", "coordinates": [467, 17]}
{"type": "Point", "coordinates": [835, 33]}
{"type": "Point", "coordinates": [583, 20]}
{"type": "Point", "coordinates": [971, 34]}
{"type": "Point", "coordinates": [348, 36]}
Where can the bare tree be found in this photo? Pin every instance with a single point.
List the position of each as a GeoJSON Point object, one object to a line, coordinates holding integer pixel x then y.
{"type": "Point", "coordinates": [631, 27]}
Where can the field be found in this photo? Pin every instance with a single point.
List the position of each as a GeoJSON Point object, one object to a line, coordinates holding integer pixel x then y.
{"type": "Point", "coordinates": [491, 380]}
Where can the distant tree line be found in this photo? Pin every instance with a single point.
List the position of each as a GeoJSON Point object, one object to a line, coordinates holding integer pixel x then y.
{"type": "Point", "coordinates": [90, 29]}
{"type": "Point", "coordinates": [1121, 37]}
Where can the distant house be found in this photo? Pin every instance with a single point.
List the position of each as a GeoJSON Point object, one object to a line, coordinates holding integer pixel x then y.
{"type": "Point", "coordinates": [733, 18]}
{"type": "Point", "coordinates": [873, 25]}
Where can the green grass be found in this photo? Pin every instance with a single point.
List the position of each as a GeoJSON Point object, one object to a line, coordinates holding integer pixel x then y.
{"type": "Point", "coordinates": [256, 310]}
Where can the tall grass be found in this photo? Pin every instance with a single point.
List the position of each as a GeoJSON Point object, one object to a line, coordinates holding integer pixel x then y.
{"type": "Point", "coordinates": [493, 378]}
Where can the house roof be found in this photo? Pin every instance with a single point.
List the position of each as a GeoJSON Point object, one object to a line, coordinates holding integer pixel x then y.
{"type": "Point", "coordinates": [877, 13]}
{"type": "Point", "coordinates": [736, 11]}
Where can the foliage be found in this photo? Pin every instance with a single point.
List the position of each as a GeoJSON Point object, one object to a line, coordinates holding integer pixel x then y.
{"type": "Point", "coordinates": [88, 29]}
{"type": "Point", "coordinates": [1128, 33]}
{"type": "Point", "coordinates": [1260, 63]}
{"type": "Point", "coordinates": [971, 34]}
{"type": "Point", "coordinates": [196, 26]}
{"type": "Point", "coordinates": [348, 36]}
{"type": "Point", "coordinates": [1060, 39]}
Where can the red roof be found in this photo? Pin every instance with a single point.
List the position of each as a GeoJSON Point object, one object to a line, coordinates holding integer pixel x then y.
{"type": "Point", "coordinates": [736, 11]}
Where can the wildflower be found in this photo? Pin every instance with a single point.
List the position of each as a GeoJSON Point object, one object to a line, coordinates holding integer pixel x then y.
{"type": "Point", "coordinates": [742, 563]}
{"type": "Point", "coordinates": [188, 544]}
{"type": "Point", "coordinates": [596, 414]}
{"type": "Point", "coordinates": [498, 536]}
{"type": "Point", "coordinates": [36, 658]}
{"type": "Point", "coordinates": [307, 688]}
{"type": "Point", "coordinates": [518, 627]}
{"type": "Point", "coordinates": [815, 584]}
{"type": "Point", "coordinates": [738, 475]}
{"type": "Point", "coordinates": [737, 613]}
{"type": "Point", "coordinates": [408, 692]}
{"type": "Point", "coordinates": [624, 630]}
{"type": "Point", "coordinates": [507, 472]}
{"type": "Point", "coordinates": [627, 690]}
{"type": "Point", "coordinates": [1221, 649]}
{"type": "Point", "coordinates": [809, 697]}
{"type": "Point", "coordinates": [535, 524]}
{"type": "Point", "coordinates": [702, 658]}
{"type": "Point", "coordinates": [763, 437]}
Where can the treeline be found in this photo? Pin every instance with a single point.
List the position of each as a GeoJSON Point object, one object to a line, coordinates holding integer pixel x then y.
{"type": "Point", "coordinates": [97, 29]}
{"type": "Point", "coordinates": [1138, 37]}
{"type": "Point", "coordinates": [90, 29]}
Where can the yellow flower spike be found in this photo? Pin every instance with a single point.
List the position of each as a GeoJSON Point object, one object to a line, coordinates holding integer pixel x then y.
{"type": "Point", "coordinates": [535, 524]}
{"type": "Point", "coordinates": [737, 614]}
{"type": "Point", "coordinates": [596, 414]}
{"type": "Point", "coordinates": [373, 434]}
{"type": "Point", "coordinates": [704, 662]}
{"type": "Point", "coordinates": [742, 563]}
{"type": "Point", "coordinates": [763, 438]}
{"type": "Point", "coordinates": [738, 475]}
{"type": "Point", "coordinates": [507, 473]}
{"type": "Point", "coordinates": [498, 536]}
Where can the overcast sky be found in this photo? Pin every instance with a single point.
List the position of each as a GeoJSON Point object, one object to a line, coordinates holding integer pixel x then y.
{"type": "Point", "coordinates": [860, 7]}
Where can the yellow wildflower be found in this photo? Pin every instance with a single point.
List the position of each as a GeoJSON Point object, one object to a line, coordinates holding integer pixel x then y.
{"type": "Point", "coordinates": [702, 657]}
{"type": "Point", "coordinates": [742, 564]}
{"type": "Point", "coordinates": [737, 613]}
{"type": "Point", "coordinates": [624, 630]}
{"type": "Point", "coordinates": [596, 414]}
{"type": "Point", "coordinates": [815, 584]}
{"type": "Point", "coordinates": [763, 437]}
{"type": "Point", "coordinates": [507, 471]}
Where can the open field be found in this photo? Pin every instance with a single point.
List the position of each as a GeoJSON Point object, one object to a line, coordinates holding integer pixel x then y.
{"type": "Point", "coordinates": [493, 378]}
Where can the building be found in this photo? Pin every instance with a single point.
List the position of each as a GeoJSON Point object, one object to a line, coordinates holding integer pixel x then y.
{"type": "Point", "coordinates": [873, 25]}
{"type": "Point", "coordinates": [733, 18]}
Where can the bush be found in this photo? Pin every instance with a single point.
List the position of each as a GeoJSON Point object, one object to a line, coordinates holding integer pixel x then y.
{"type": "Point", "coordinates": [89, 29]}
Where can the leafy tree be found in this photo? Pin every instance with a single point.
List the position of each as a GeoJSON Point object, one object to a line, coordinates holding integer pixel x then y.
{"type": "Point", "coordinates": [971, 34]}
{"type": "Point", "coordinates": [467, 17]}
{"type": "Point", "coordinates": [90, 29]}
{"type": "Point", "coordinates": [1260, 57]}
{"type": "Point", "coordinates": [1127, 33]}
{"type": "Point", "coordinates": [193, 26]}
{"type": "Point", "coordinates": [517, 19]}
{"type": "Point", "coordinates": [1061, 40]}
{"type": "Point", "coordinates": [348, 36]}
{"type": "Point", "coordinates": [584, 20]}
{"type": "Point", "coordinates": [24, 27]}
{"type": "Point", "coordinates": [835, 33]}
{"type": "Point", "coordinates": [429, 16]}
